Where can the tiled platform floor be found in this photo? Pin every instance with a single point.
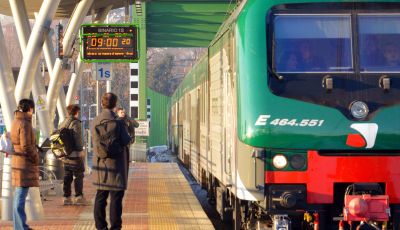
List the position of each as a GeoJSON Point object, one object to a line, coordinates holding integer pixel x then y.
{"type": "Point", "coordinates": [158, 197]}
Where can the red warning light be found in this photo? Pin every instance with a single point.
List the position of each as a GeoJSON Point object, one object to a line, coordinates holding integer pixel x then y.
{"type": "Point", "coordinates": [355, 140]}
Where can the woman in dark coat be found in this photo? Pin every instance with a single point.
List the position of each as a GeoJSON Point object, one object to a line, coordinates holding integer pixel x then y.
{"type": "Point", "coordinates": [25, 161]}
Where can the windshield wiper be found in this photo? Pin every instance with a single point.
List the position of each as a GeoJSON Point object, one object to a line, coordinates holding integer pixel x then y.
{"type": "Point", "coordinates": [275, 74]}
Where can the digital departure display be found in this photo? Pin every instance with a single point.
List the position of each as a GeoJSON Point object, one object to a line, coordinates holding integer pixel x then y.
{"type": "Point", "coordinates": [112, 43]}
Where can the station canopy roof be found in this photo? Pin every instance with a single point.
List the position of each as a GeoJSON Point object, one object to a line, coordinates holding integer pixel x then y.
{"type": "Point", "coordinates": [169, 23]}
{"type": "Point", "coordinates": [64, 10]}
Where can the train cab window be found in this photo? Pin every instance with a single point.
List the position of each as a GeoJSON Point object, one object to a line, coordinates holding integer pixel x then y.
{"type": "Point", "coordinates": [312, 43]}
{"type": "Point", "coordinates": [379, 37]}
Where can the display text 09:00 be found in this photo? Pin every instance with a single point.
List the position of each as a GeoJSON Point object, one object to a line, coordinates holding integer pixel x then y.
{"type": "Point", "coordinates": [95, 42]}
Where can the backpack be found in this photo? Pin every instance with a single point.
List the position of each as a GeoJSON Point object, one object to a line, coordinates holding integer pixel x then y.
{"type": "Point", "coordinates": [62, 141]}
{"type": "Point", "coordinates": [112, 138]}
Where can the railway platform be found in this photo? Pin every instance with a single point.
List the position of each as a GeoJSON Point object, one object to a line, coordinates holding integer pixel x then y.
{"type": "Point", "coordinates": [158, 197]}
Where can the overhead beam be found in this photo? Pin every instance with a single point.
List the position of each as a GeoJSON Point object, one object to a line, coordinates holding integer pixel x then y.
{"type": "Point", "coordinates": [186, 18]}
{"type": "Point", "coordinates": [184, 23]}
{"type": "Point", "coordinates": [174, 7]}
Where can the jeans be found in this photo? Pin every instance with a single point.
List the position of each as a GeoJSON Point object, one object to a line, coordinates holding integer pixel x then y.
{"type": "Point", "coordinates": [78, 182]}
{"type": "Point", "coordinates": [115, 209]}
{"type": "Point", "coordinates": [19, 216]}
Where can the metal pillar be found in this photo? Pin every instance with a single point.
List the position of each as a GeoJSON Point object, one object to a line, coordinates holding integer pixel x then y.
{"type": "Point", "coordinates": [76, 77]}
{"type": "Point", "coordinates": [77, 18]}
{"type": "Point", "coordinates": [98, 98]}
{"type": "Point", "coordinates": [22, 25]}
{"type": "Point", "coordinates": [127, 11]}
{"type": "Point", "coordinates": [108, 83]}
{"type": "Point", "coordinates": [139, 18]}
{"type": "Point", "coordinates": [101, 16]}
{"type": "Point", "coordinates": [33, 49]}
{"type": "Point", "coordinates": [50, 58]}
{"type": "Point", "coordinates": [74, 82]}
{"type": "Point", "coordinates": [61, 105]}
{"type": "Point", "coordinates": [8, 106]}
{"type": "Point", "coordinates": [108, 87]}
{"type": "Point", "coordinates": [28, 72]}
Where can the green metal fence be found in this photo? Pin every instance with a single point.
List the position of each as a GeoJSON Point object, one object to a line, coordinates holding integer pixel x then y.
{"type": "Point", "coordinates": [158, 118]}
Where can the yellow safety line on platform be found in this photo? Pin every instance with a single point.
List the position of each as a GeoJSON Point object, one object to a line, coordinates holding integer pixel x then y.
{"type": "Point", "coordinates": [172, 204]}
{"type": "Point", "coordinates": [158, 197]}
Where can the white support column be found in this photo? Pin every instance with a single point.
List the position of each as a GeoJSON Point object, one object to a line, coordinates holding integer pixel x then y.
{"type": "Point", "coordinates": [98, 98]}
{"type": "Point", "coordinates": [50, 58]}
{"type": "Point", "coordinates": [48, 51]}
{"type": "Point", "coordinates": [108, 86]}
{"type": "Point", "coordinates": [23, 27]}
{"type": "Point", "coordinates": [61, 106]}
{"type": "Point", "coordinates": [8, 106]}
{"type": "Point", "coordinates": [79, 14]}
{"type": "Point", "coordinates": [34, 48]}
{"type": "Point", "coordinates": [76, 77]}
{"type": "Point", "coordinates": [29, 71]}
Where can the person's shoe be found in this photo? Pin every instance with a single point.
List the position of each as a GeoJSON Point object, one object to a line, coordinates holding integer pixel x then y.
{"type": "Point", "coordinates": [80, 200]}
{"type": "Point", "coordinates": [67, 200]}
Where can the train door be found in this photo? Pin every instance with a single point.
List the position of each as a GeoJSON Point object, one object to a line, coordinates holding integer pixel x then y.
{"type": "Point", "coordinates": [171, 128]}
{"type": "Point", "coordinates": [180, 128]}
{"type": "Point", "coordinates": [194, 133]}
{"type": "Point", "coordinates": [186, 132]}
{"type": "Point", "coordinates": [228, 107]}
{"type": "Point", "coordinates": [216, 132]}
{"type": "Point", "coordinates": [197, 137]}
{"type": "Point", "coordinates": [176, 129]}
{"type": "Point", "coordinates": [203, 133]}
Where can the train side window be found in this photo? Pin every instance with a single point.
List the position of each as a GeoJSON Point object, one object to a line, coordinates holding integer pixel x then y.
{"type": "Point", "coordinates": [378, 41]}
{"type": "Point", "coordinates": [312, 43]}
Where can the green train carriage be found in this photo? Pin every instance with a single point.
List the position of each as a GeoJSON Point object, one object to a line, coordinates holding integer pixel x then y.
{"type": "Point", "coordinates": [291, 120]}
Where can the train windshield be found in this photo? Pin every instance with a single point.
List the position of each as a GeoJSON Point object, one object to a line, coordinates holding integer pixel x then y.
{"type": "Point", "coordinates": [332, 54]}
{"type": "Point", "coordinates": [379, 37]}
{"type": "Point", "coordinates": [323, 43]}
{"type": "Point", "coordinates": [312, 43]}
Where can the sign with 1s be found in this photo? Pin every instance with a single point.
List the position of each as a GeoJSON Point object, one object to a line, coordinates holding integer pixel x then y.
{"type": "Point", "coordinates": [103, 71]}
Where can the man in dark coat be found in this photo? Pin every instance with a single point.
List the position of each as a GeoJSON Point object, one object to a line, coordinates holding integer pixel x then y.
{"type": "Point", "coordinates": [74, 164]}
{"type": "Point", "coordinates": [25, 162]}
{"type": "Point", "coordinates": [130, 123]}
{"type": "Point", "coordinates": [110, 168]}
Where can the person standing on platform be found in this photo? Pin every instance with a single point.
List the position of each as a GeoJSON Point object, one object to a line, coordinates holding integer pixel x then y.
{"type": "Point", "coordinates": [74, 163]}
{"type": "Point", "coordinates": [25, 161]}
{"type": "Point", "coordinates": [110, 163]}
{"type": "Point", "coordinates": [130, 123]}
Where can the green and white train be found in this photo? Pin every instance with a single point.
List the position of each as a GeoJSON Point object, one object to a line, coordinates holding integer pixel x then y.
{"type": "Point", "coordinates": [292, 119]}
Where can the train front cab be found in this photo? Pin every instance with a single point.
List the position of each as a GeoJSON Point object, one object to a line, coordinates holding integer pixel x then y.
{"type": "Point", "coordinates": [352, 176]}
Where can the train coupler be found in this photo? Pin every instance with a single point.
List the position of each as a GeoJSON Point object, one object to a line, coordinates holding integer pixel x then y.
{"type": "Point", "coordinates": [366, 207]}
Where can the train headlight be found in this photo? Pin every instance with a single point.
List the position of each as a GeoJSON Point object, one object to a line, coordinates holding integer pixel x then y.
{"type": "Point", "coordinates": [297, 161]}
{"type": "Point", "coordinates": [359, 109]}
{"type": "Point", "coordinates": [279, 161]}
